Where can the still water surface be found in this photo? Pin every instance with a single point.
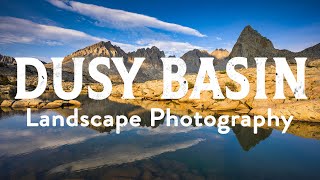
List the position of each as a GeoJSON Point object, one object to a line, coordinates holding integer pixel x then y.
{"type": "Point", "coordinates": [148, 153]}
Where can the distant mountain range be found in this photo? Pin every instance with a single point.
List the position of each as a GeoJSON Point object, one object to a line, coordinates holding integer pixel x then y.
{"type": "Point", "coordinates": [152, 66]}
{"type": "Point", "coordinates": [7, 60]}
{"type": "Point", "coordinates": [249, 44]}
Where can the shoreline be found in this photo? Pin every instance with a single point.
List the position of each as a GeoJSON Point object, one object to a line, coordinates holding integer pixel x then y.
{"type": "Point", "coordinates": [148, 95]}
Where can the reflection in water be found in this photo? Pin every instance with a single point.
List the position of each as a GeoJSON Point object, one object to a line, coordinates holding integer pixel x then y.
{"type": "Point", "coordinates": [17, 143]}
{"type": "Point", "coordinates": [16, 140]}
{"type": "Point", "coordinates": [151, 152]}
{"type": "Point", "coordinates": [303, 129]}
{"type": "Point", "coordinates": [247, 139]}
{"type": "Point", "coordinates": [121, 155]}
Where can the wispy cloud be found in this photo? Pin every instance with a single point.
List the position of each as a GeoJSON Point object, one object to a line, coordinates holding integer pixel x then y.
{"type": "Point", "coordinates": [13, 141]}
{"type": "Point", "coordinates": [122, 154]}
{"type": "Point", "coordinates": [16, 30]}
{"type": "Point", "coordinates": [169, 47]}
{"type": "Point", "coordinates": [218, 38]}
{"type": "Point", "coordinates": [122, 19]}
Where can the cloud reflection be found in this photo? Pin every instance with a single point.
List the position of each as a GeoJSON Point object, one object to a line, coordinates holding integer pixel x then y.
{"type": "Point", "coordinates": [123, 154]}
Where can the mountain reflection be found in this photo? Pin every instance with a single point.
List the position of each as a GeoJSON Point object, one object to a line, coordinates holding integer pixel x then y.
{"type": "Point", "coordinates": [247, 139]}
{"type": "Point", "coordinates": [91, 107]}
{"type": "Point", "coordinates": [145, 151]}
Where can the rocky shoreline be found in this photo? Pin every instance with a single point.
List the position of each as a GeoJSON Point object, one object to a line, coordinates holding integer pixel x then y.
{"type": "Point", "coordinates": [148, 95]}
{"type": "Point", "coordinates": [7, 105]}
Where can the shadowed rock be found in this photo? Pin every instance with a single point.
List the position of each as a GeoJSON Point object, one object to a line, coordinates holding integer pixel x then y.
{"type": "Point", "coordinates": [247, 139]}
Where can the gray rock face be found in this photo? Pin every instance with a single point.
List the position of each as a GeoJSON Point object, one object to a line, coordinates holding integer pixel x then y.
{"type": "Point", "coordinates": [105, 49]}
{"type": "Point", "coordinates": [152, 65]}
{"type": "Point", "coordinates": [252, 44]}
{"type": "Point", "coordinates": [192, 59]}
{"type": "Point", "coordinates": [152, 55]}
{"type": "Point", "coordinates": [7, 60]}
{"type": "Point", "coordinates": [151, 68]}
{"type": "Point", "coordinates": [8, 75]}
{"type": "Point", "coordinates": [101, 49]}
{"type": "Point", "coordinates": [312, 52]}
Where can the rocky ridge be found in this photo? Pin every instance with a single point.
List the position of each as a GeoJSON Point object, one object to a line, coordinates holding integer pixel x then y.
{"type": "Point", "coordinates": [100, 49]}
{"type": "Point", "coordinates": [7, 60]}
{"type": "Point", "coordinates": [192, 59]}
{"type": "Point", "coordinates": [252, 44]}
{"type": "Point", "coordinates": [150, 69]}
{"type": "Point", "coordinates": [220, 54]}
{"type": "Point", "coordinates": [152, 65]}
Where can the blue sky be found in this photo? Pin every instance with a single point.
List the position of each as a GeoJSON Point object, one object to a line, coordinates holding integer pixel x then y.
{"type": "Point", "coordinates": [54, 28]}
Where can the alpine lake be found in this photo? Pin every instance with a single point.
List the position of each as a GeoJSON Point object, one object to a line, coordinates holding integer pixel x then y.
{"type": "Point", "coordinates": [146, 152]}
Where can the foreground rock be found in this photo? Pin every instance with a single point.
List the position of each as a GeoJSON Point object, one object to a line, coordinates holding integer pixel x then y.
{"type": "Point", "coordinates": [7, 103]}
{"type": "Point", "coordinates": [38, 104]}
{"type": "Point", "coordinates": [148, 95]}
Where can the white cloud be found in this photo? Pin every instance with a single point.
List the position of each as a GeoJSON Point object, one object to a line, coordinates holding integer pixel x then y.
{"type": "Point", "coordinates": [218, 38]}
{"type": "Point", "coordinates": [127, 47]}
{"type": "Point", "coordinates": [16, 30]}
{"type": "Point", "coordinates": [122, 19]}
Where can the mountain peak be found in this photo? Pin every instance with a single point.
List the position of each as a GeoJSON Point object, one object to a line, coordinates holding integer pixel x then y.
{"type": "Point", "coordinates": [248, 28]}
{"type": "Point", "coordinates": [312, 52]}
{"type": "Point", "coordinates": [103, 43]}
{"type": "Point", "coordinates": [155, 48]}
{"type": "Point", "coordinates": [7, 60]}
{"type": "Point", "coordinates": [220, 54]}
{"type": "Point", "coordinates": [152, 55]}
{"type": "Point", "coordinates": [252, 44]}
{"type": "Point", "coordinates": [102, 48]}
{"type": "Point", "coordinates": [192, 59]}
{"type": "Point", "coordinates": [197, 52]}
